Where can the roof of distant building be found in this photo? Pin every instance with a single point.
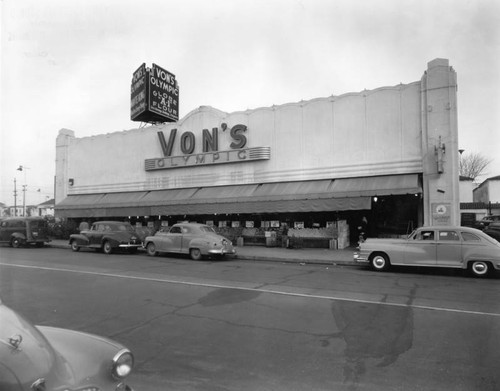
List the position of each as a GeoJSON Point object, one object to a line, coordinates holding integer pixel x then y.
{"type": "Point", "coordinates": [47, 203]}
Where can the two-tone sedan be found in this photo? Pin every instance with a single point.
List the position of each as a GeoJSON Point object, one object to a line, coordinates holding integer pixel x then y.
{"type": "Point", "coordinates": [454, 247]}
{"type": "Point", "coordinates": [196, 240]}
{"type": "Point", "coordinates": [40, 358]}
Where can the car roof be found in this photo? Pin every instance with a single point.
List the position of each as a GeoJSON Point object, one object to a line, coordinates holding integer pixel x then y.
{"type": "Point", "coordinates": [111, 222]}
{"type": "Point", "coordinates": [23, 218]}
{"type": "Point", "coordinates": [455, 227]}
{"type": "Point", "coordinates": [191, 224]}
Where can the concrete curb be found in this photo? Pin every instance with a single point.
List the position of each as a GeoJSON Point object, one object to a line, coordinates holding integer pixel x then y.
{"type": "Point", "coordinates": [262, 258]}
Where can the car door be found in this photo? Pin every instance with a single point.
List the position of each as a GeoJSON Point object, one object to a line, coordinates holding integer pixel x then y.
{"type": "Point", "coordinates": [449, 248]}
{"type": "Point", "coordinates": [187, 236]}
{"type": "Point", "coordinates": [174, 236]}
{"type": "Point", "coordinates": [96, 234]}
{"type": "Point", "coordinates": [421, 249]}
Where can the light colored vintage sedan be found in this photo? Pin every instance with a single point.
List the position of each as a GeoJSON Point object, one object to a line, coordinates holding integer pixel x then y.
{"type": "Point", "coordinates": [197, 240]}
{"type": "Point", "coordinates": [40, 358]}
{"type": "Point", "coordinates": [455, 247]}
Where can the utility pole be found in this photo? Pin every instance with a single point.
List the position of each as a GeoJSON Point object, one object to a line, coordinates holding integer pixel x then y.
{"type": "Point", "coordinates": [15, 198]}
{"type": "Point", "coordinates": [24, 168]}
{"type": "Point", "coordinates": [24, 200]}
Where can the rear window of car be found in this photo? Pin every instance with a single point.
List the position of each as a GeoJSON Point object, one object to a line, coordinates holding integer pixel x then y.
{"type": "Point", "coordinates": [470, 237]}
{"type": "Point", "coordinates": [38, 224]}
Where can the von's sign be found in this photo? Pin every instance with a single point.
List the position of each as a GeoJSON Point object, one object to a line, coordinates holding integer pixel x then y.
{"type": "Point", "coordinates": [154, 95]}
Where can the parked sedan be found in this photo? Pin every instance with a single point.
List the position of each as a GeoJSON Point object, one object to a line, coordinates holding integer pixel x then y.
{"type": "Point", "coordinates": [39, 358]}
{"type": "Point", "coordinates": [493, 230]}
{"type": "Point", "coordinates": [455, 247]}
{"type": "Point", "coordinates": [197, 240]}
{"type": "Point", "coordinates": [107, 236]}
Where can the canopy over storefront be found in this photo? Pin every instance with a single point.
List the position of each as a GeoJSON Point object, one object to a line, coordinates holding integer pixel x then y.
{"type": "Point", "coordinates": [282, 197]}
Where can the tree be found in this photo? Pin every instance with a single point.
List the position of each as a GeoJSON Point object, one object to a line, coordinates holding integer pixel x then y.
{"type": "Point", "coordinates": [473, 165]}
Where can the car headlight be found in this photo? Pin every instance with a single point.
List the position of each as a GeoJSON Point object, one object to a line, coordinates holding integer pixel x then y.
{"type": "Point", "coordinates": [123, 362]}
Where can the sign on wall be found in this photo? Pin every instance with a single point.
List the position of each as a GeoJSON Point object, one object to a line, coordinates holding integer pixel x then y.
{"type": "Point", "coordinates": [441, 213]}
{"type": "Point", "coordinates": [154, 95]}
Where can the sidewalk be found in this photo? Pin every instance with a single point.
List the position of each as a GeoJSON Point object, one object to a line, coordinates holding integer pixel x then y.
{"type": "Point", "coordinates": [276, 254]}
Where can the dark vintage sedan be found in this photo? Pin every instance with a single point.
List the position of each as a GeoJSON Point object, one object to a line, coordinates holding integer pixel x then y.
{"type": "Point", "coordinates": [39, 358]}
{"type": "Point", "coordinates": [493, 230]}
{"type": "Point", "coordinates": [107, 236]}
{"type": "Point", "coordinates": [197, 240]}
{"type": "Point", "coordinates": [455, 247]}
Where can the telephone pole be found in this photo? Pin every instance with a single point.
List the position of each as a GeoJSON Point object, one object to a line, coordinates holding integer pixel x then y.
{"type": "Point", "coordinates": [15, 198]}
{"type": "Point", "coordinates": [24, 168]}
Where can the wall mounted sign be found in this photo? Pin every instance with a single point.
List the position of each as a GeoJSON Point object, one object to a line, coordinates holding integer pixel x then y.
{"type": "Point", "coordinates": [441, 213]}
{"type": "Point", "coordinates": [210, 149]}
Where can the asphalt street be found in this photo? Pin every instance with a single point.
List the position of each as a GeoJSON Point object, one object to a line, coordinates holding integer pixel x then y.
{"type": "Point", "coordinates": [242, 325]}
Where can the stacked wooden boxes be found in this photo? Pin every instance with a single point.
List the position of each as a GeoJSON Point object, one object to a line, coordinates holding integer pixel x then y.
{"type": "Point", "coordinates": [343, 234]}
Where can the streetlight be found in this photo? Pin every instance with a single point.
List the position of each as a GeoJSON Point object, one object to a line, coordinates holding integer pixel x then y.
{"type": "Point", "coordinates": [24, 168]}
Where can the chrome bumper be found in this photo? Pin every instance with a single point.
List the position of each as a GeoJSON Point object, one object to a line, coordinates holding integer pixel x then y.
{"type": "Point", "coordinates": [129, 245]}
{"type": "Point", "coordinates": [359, 258]}
{"type": "Point", "coordinates": [222, 251]}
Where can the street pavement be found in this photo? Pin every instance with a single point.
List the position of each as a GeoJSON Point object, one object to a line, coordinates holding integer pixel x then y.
{"type": "Point", "coordinates": [277, 254]}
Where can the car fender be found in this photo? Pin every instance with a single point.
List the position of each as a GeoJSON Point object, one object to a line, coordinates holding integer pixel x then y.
{"type": "Point", "coordinates": [480, 254]}
{"type": "Point", "coordinates": [18, 235]}
{"type": "Point", "coordinates": [80, 239]}
{"type": "Point", "coordinates": [112, 240]}
{"type": "Point", "coordinates": [200, 243]}
{"type": "Point", "coordinates": [88, 355]}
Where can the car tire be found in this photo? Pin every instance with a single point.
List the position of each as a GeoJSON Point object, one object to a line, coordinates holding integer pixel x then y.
{"type": "Point", "coordinates": [151, 250]}
{"type": "Point", "coordinates": [74, 246]}
{"type": "Point", "coordinates": [106, 248]}
{"type": "Point", "coordinates": [379, 262]}
{"type": "Point", "coordinates": [195, 254]}
{"type": "Point", "coordinates": [16, 243]}
{"type": "Point", "coordinates": [479, 269]}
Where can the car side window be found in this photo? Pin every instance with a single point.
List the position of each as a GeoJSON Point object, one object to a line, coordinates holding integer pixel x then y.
{"type": "Point", "coordinates": [424, 235]}
{"type": "Point", "coordinates": [448, 236]}
{"type": "Point", "coordinates": [175, 230]}
{"type": "Point", "coordinates": [470, 237]}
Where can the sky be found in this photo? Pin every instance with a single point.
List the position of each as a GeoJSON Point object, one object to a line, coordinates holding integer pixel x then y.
{"type": "Point", "coordinates": [69, 64]}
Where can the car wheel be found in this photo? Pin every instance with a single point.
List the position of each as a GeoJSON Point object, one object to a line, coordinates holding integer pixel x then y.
{"type": "Point", "coordinates": [379, 262]}
{"type": "Point", "coordinates": [16, 242]}
{"type": "Point", "coordinates": [74, 246]}
{"type": "Point", "coordinates": [479, 268]}
{"type": "Point", "coordinates": [195, 254]}
{"type": "Point", "coordinates": [106, 247]}
{"type": "Point", "coordinates": [151, 250]}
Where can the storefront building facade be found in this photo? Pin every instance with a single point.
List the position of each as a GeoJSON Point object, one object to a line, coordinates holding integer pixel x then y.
{"type": "Point", "coordinates": [389, 154]}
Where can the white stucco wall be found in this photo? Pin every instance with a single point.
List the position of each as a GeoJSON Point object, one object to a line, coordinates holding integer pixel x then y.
{"type": "Point", "coordinates": [389, 130]}
{"type": "Point", "coordinates": [363, 134]}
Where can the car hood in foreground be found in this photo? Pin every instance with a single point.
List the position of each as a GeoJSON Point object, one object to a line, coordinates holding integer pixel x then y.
{"type": "Point", "coordinates": [65, 359]}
